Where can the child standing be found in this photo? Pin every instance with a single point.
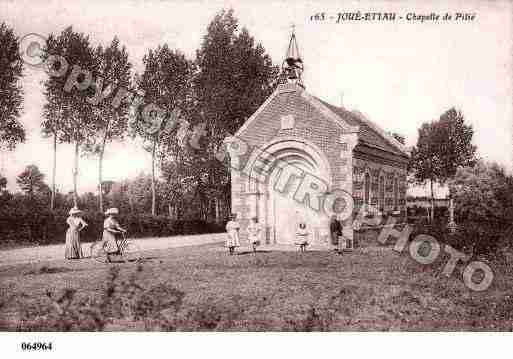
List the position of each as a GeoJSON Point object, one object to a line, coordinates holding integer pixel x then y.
{"type": "Point", "coordinates": [254, 231]}
{"type": "Point", "coordinates": [232, 229]}
{"type": "Point", "coordinates": [302, 236]}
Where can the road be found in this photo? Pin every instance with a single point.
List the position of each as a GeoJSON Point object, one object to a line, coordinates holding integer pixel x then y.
{"type": "Point", "coordinates": [56, 251]}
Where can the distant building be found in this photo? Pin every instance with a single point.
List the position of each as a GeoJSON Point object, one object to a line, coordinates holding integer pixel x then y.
{"type": "Point", "coordinates": [426, 202]}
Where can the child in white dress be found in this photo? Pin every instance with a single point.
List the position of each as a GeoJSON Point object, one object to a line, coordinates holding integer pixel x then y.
{"type": "Point", "coordinates": [302, 236]}
{"type": "Point", "coordinates": [254, 232]}
{"type": "Point", "coordinates": [232, 229]}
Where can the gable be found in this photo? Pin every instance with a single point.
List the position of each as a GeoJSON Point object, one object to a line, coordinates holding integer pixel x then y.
{"type": "Point", "coordinates": [314, 118]}
{"type": "Point", "coordinates": [288, 112]}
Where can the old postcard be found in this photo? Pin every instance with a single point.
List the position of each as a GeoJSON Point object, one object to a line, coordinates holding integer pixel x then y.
{"type": "Point", "coordinates": [254, 166]}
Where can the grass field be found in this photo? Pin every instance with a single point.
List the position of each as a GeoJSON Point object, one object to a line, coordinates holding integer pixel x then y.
{"type": "Point", "coordinates": [202, 288]}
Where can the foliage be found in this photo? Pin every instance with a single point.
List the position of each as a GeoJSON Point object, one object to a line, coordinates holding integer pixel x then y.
{"type": "Point", "coordinates": [11, 67]}
{"type": "Point", "coordinates": [69, 116]}
{"type": "Point", "coordinates": [31, 180]}
{"type": "Point", "coordinates": [111, 121]}
{"type": "Point", "coordinates": [132, 303]}
{"type": "Point", "coordinates": [442, 146]}
{"type": "Point", "coordinates": [69, 113]}
{"type": "Point", "coordinates": [19, 225]}
{"type": "Point", "coordinates": [483, 193]}
{"type": "Point", "coordinates": [166, 83]}
{"type": "Point", "coordinates": [483, 199]}
{"type": "Point", "coordinates": [121, 300]}
{"type": "Point", "coordinates": [234, 77]}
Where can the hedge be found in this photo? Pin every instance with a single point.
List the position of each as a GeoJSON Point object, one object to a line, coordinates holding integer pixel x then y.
{"type": "Point", "coordinates": [22, 226]}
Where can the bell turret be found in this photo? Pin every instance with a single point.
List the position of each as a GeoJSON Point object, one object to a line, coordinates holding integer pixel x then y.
{"type": "Point", "coordinates": [292, 67]}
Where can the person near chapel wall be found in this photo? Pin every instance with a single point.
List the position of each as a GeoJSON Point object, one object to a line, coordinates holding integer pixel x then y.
{"type": "Point", "coordinates": [254, 233]}
{"type": "Point", "coordinates": [335, 231]}
{"type": "Point", "coordinates": [302, 235]}
{"type": "Point", "coordinates": [232, 231]}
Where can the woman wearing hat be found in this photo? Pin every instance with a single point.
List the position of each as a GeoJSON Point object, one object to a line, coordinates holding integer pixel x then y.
{"type": "Point", "coordinates": [111, 229]}
{"type": "Point", "coordinates": [73, 249]}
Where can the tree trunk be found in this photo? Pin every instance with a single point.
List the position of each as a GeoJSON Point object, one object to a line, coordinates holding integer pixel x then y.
{"type": "Point", "coordinates": [54, 169]}
{"type": "Point", "coordinates": [100, 189]}
{"type": "Point", "coordinates": [432, 202]}
{"type": "Point", "coordinates": [75, 176]}
{"type": "Point", "coordinates": [100, 168]}
{"type": "Point", "coordinates": [218, 217]}
{"type": "Point", "coordinates": [153, 192]}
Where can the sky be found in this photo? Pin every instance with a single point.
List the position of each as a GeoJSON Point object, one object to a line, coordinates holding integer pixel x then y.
{"type": "Point", "coordinates": [400, 74]}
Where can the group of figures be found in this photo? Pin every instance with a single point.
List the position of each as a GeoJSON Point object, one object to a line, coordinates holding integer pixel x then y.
{"type": "Point", "coordinates": [255, 231]}
{"type": "Point", "coordinates": [111, 231]}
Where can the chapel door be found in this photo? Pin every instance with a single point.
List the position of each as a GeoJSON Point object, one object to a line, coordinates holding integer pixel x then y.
{"type": "Point", "coordinates": [288, 212]}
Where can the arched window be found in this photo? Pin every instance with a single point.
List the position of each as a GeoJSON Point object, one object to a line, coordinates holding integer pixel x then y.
{"type": "Point", "coordinates": [367, 189]}
{"type": "Point", "coordinates": [381, 193]}
{"type": "Point", "coordinates": [396, 194]}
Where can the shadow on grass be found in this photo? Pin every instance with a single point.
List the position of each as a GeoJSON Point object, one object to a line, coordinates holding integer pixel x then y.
{"type": "Point", "coordinates": [131, 260]}
{"type": "Point", "coordinates": [49, 270]}
{"type": "Point", "coordinates": [251, 252]}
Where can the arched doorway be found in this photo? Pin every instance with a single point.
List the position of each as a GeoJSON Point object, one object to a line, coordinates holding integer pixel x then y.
{"type": "Point", "coordinates": [280, 202]}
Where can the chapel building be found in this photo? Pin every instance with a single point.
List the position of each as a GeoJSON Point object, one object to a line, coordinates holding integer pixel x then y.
{"type": "Point", "coordinates": [297, 156]}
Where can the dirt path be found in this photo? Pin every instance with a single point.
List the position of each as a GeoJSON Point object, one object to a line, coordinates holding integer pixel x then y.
{"type": "Point", "coordinates": [56, 251]}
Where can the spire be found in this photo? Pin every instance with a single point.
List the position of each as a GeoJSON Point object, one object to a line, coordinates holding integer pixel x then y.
{"type": "Point", "coordinates": [292, 67]}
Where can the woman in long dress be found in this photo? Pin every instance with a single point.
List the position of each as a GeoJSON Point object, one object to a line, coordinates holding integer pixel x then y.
{"type": "Point", "coordinates": [232, 229]}
{"type": "Point", "coordinates": [73, 249]}
{"type": "Point", "coordinates": [111, 229]}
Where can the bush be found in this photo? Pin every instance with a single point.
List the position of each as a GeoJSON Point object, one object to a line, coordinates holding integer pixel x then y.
{"type": "Point", "coordinates": [481, 238]}
{"type": "Point", "coordinates": [128, 303]}
{"type": "Point", "coordinates": [121, 301]}
{"type": "Point", "coordinates": [26, 225]}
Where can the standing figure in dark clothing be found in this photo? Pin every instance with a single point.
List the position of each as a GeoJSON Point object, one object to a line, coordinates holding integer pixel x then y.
{"type": "Point", "coordinates": [335, 231]}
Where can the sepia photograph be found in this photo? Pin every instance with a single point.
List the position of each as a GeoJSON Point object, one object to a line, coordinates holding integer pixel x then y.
{"type": "Point", "coordinates": [254, 166]}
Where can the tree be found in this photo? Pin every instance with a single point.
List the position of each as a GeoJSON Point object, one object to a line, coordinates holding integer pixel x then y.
{"type": "Point", "coordinates": [112, 121]}
{"type": "Point", "coordinates": [454, 144]}
{"type": "Point", "coordinates": [53, 117]}
{"type": "Point", "coordinates": [483, 198]}
{"type": "Point", "coordinates": [441, 147]}
{"type": "Point", "coordinates": [11, 66]}
{"type": "Point", "coordinates": [166, 83]}
{"type": "Point", "coordinates": [482, 193]}
{"type": "Point", "coordinates": [69, 114]}
{"type": "Point", "coordinates": [31, 180]}
{"type": "Point", "coordinates": [235, 77]}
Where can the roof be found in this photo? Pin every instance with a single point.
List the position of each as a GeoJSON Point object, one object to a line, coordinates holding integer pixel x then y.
{"type": "Point", "coordinates": [369, 133]}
